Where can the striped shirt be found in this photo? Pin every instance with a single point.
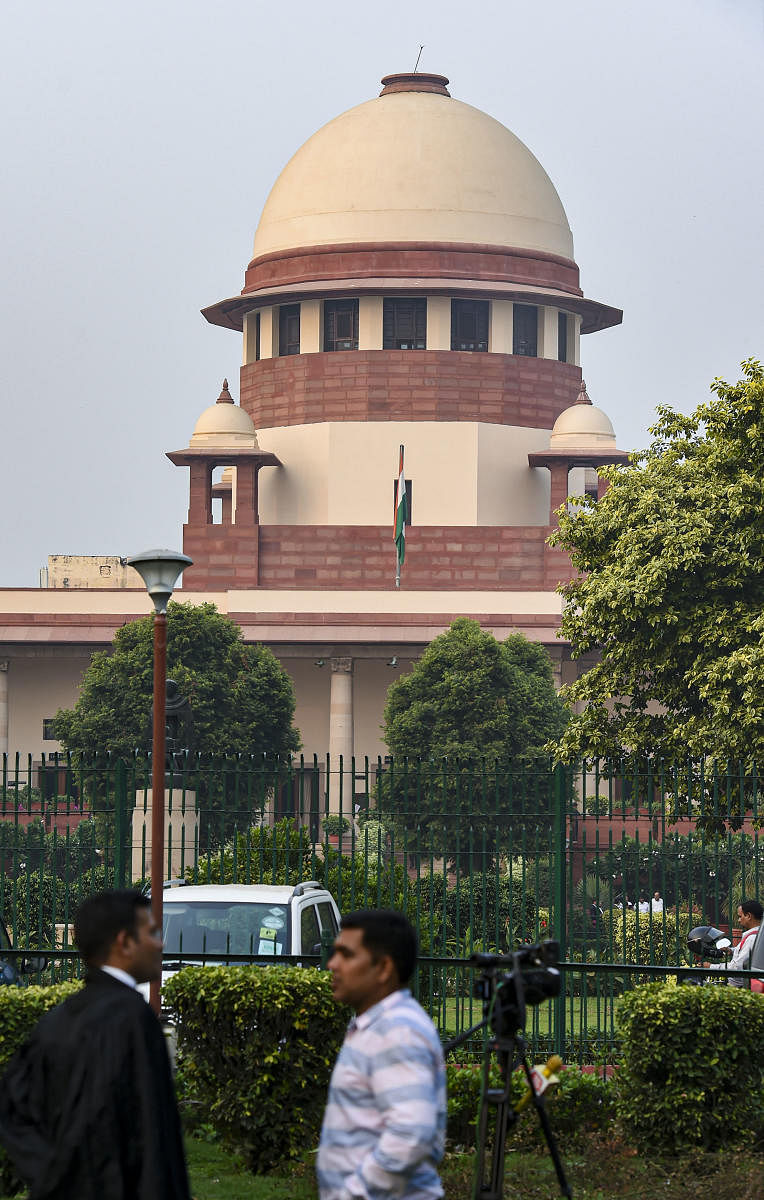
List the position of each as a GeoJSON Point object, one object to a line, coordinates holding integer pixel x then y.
{"type": "Point", "coordinates": [385, 1121]}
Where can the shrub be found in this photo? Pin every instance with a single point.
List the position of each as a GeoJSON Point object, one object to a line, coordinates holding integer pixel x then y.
{"type": "Point", "coordinates": [283, 854]}
{"type": "Point", "coordinates": [463, 1084]}
{"type": "Point", "coordinates": [653, 937]}
{"type": "Point", "coordinates": [691, 1066]}
{"type": "Point", "coordinates": [682, 867]}
{"type": "Point", "coordinates": [581, 1103]}
{"type": "Point", "coordinates": [509, 910]}
{"type": "Point", "coordinates": [333, 824]}
{"type": "Point", "coordinates": [257, 1046]}
{"type": "Point", "coordinates": [536, 875]}
{"type": "Point", "coordinates": [279, 853]}
{"type": "Point", "coordinates": [20, 1010]}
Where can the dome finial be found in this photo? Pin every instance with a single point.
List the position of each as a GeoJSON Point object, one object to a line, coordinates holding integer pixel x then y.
{"type": "Point", "coordinates": [225, 396]}
{"type": "Point", "coordinates": [414, 81]}
{"type": "Point", "coordinates": [583, 395]}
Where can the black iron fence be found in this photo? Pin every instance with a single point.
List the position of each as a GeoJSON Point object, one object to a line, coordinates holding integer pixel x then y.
{"type": "Point", "coordinates": [616, 861]}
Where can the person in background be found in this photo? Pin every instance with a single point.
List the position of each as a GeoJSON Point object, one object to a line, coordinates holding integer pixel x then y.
{"type": "Point", "coordinates": [749, 916]}
{"type": "Point", "coordinates": [656, 904]}
{"type": "Point", "coordinates": [87, 1105]}
{"type": "Point", "coordinates": [384, 1126]}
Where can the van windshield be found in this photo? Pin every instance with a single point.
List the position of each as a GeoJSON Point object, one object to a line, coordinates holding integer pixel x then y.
{"type": "Point", "coordinates": [215, 927]}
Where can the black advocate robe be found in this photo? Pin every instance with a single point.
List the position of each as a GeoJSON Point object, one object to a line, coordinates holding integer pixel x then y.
{"type": "Point", "coordinates": [87, 1105]}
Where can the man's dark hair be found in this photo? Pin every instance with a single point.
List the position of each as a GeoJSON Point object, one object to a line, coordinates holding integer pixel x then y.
{"type": "Point", "coordinates": [385, 931]}
{"type": "Point", "coordinates": [100, 918]}
{"type": "Point", "coordinates": [753, 908]}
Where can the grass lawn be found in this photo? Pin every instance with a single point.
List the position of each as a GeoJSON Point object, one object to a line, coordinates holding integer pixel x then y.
{"type": "Point", "coordinates": [603, 1171]}
{"type": "Point", "coordinates": [457, 1013]}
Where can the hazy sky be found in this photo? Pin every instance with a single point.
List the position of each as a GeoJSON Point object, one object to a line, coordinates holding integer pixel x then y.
{"type": "Point", "coordinates": [140, 142]}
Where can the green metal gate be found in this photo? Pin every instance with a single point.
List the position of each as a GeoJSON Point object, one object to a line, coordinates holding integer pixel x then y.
{"type": "Point", "coordinates": [481, 856]}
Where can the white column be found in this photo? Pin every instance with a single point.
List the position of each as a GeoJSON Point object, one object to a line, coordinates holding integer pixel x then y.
{"type": "Point", "coordinates": [438, 323]}
{"type": "Point", "coordinates": [181, 833]}
{"type": "Point", "coordinates": [547, 332]}
{"type": "Point", "coordinates": [250, 337]}
{"type": "Point", "coordinates": [310, 326]}
{"type": "Point", "coordinates": [576, 356]}
{"type": "Point", "coordinates": [500, 339]}
{"type": "Point", "coordinates": [341, 735]}
{"type": "Point", "coordinates": [269, 332]}
{"type": "Point", "coordinates": [4, 706]}
{"type": "Point", "coordinates": [370, 323]}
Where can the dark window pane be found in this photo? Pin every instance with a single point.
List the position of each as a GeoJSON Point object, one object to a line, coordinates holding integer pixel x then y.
{"type": "Point", "coordinates": [289, 329]}
{"type": "Point", "coordinates": [562, 337]}
{"type": "Point", "coordinates": [328, 919]}
{"type": "Point", "coordinates": [340, 325]}
{"type": "Point", "coordinates": [309, 934]}
{"type": "Point", "coordinates": [469, 325]}
{"type": "Point", "coordinates": [404, 324]}
{"type": "Point", "coordinates": [525, 330]}
{"type": "Point", "coordinates": [257, 338]}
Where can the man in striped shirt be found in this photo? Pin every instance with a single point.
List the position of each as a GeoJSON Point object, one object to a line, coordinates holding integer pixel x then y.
{"type": "Point", "coordinates": [385, 1120]}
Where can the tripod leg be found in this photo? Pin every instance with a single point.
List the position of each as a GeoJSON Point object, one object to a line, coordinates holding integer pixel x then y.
{"type": "Point", "coordinates": [497, 1100]}
{"type": "Point", "coordinates": [543, 1116]}
{"type": "Point", "coordinates": [503, 1113]}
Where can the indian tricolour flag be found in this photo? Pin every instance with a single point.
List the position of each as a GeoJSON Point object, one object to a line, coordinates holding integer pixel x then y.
{"type": "Point", "coordinates": [399, 519]}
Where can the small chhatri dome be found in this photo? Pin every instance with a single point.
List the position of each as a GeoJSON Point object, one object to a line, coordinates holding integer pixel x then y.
{"type": "Point", "coordinates": [224, 425]}
{"type": "Point", "coordinates": [583, 426]}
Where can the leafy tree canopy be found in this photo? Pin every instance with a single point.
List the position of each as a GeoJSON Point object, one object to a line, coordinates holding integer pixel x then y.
{"type": "Point", "coordinates": [467, 726]}
{"type": "Point", "coordinates": [670, 590]}
{"type": "Point", "coordinates": [472, 697]}
{"type": "Point", "coordinates": [241, 698]}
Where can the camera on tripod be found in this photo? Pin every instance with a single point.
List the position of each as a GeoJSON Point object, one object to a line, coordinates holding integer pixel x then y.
{"type": "Point", "coordinates": [507, 984]}
{"type": "Point", "coordinates": [533, 976]}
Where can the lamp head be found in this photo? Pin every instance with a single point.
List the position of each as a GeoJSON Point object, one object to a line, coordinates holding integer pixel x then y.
{"type": "Point", "coordinates": [159, 570]}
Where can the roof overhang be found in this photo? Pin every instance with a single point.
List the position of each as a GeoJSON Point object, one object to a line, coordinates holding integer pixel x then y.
{"type": "Point", "coordinates": [577, 458]}
{"type": "Point", "coordinates": [229, 313]}
{"type": "Point", "coordinates": [223, 457]}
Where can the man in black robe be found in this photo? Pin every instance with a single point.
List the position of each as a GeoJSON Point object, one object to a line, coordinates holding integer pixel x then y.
{"type": "Point", "coordinates": [87, 1105]}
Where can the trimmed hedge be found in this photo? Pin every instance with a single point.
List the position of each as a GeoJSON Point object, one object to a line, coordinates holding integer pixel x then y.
{"type": "Point", "coordinates": [652, 937]}
{"type": "Point", "coordinates": [256, 1049]}
{"type": "Point", "coordinates": [20, 1010]}
{"type": "Point", "coordinates": [692, 1066]}
{"type": "Point", "coordinates": [581, 1103]}
{"type": "Point", "coordinates": [510, 912]}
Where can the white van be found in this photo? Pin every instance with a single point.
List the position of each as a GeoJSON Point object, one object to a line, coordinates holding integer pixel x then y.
{"type": "Point", "coordinates": [259, 919]}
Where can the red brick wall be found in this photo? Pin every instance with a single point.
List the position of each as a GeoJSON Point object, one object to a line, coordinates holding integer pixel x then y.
{"type": "Point", "coordinates": [345, 557]}
{"type": "Point", "coordinates": [412, 260]}
{"type": "Point", "coordinates": [408, 385]}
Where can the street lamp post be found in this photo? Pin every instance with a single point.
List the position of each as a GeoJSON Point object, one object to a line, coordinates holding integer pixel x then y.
{"type": "Point", "coordinates": [159, 570]}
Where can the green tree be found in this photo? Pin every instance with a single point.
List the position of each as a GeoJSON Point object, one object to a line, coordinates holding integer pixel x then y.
{"type": "Point", "coordinates": [670, 589]}
{"type": "Point", "coordinates": [467, 726]}
{"type": "Point", "coordinates": [241, 699]}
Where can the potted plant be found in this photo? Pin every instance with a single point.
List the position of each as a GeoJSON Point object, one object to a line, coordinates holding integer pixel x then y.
{"type": "Point", "coordinates": [334, 827]}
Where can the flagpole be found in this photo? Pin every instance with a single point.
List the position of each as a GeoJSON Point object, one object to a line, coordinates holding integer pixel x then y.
{"type": "Point", "coordinates": [399, 512]}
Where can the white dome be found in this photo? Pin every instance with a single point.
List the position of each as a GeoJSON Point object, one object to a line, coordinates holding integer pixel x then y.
{"type": "Point", "coordinates": [224, 425]}
{"type": "Point", "coordinates": [414, 166]}
{"type": "Point", "coordinates": [582, 426]}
